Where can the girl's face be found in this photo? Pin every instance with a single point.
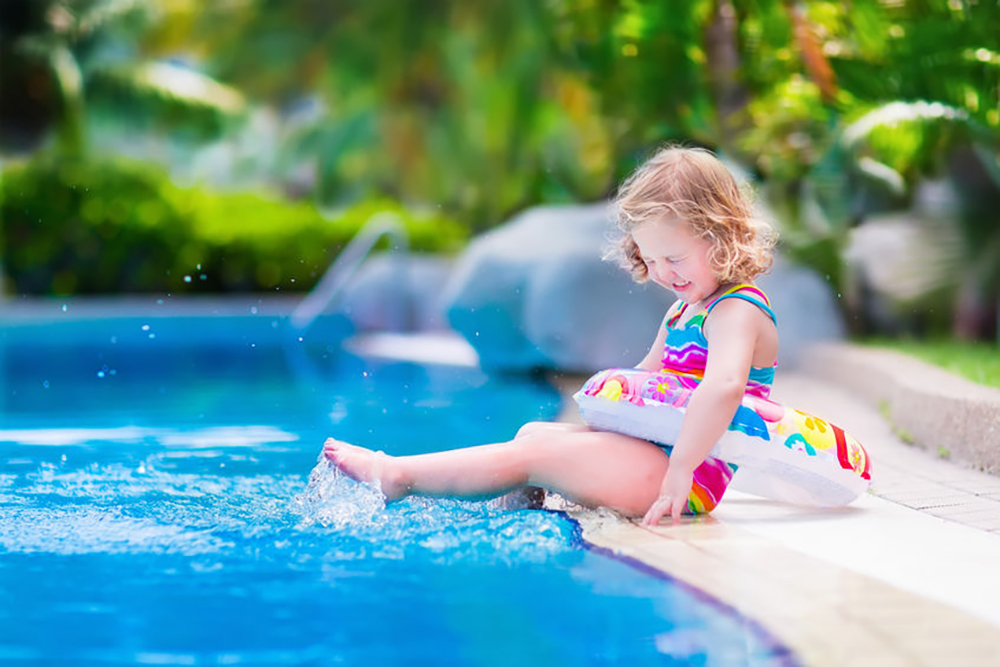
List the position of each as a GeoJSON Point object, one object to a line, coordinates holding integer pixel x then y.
{"type": "Point", "coordinates": [676, 259]}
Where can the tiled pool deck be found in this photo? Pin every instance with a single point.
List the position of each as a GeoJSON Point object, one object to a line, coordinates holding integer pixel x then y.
{"type": "Point", "coordinates": [907, 575]}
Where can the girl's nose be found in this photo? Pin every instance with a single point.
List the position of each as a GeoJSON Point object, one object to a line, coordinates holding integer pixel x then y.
{"type": "Point", "coordinates": [662, 274]}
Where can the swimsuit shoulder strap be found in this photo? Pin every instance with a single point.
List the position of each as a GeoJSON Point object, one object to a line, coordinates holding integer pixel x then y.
{"type": "Point", "coordinates": [676, 316]}
{"type": "Point", "coordinates": [746, 292]}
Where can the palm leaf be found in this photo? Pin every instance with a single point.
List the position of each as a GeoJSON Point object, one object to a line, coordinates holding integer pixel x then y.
{"type": "Point", "coordinates": [895, 113]}
{"type": "Point", "coordinates": [167, 81]}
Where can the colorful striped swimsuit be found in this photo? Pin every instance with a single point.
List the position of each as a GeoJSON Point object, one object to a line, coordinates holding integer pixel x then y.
{"type": "Point", "coordinates": [685, 355]}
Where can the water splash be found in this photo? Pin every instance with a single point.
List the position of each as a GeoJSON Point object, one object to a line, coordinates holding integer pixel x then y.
{"type": "Point", "coordinates": [358, 523]}
{"type": "Point", "coordinates": [333, 500]}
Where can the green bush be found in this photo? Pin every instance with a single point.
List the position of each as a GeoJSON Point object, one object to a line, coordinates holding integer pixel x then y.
{"type": "Point", "coordinates": [90, 227]}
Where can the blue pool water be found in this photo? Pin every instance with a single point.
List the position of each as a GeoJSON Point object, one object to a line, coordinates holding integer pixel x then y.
{"type": "Point", "coordinates": [161, 502]}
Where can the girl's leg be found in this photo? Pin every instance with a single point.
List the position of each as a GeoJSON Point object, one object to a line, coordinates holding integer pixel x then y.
{"type": "Point", "coordinates": [361, 465]}
{"type": "Point", "coordinates": [591, 468]}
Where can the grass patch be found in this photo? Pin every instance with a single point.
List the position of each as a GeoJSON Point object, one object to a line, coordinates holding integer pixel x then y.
{"type": "Point", "coordinates": [979, 362]}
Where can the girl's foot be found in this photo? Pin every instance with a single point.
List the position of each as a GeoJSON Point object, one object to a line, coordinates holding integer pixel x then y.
{"type": "Point", "coordinates": [366, 466]}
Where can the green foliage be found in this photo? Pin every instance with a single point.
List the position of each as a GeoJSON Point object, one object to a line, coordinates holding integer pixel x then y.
{"type": "Point", "coordinates": [789, 129]}
{"type": "Point", "coordinates": [460, 104]}
{"type": "Point", "coordinates": [79, 54]}
{"type": "Point", "coordinates": [909, 88]}
{"type": "Point", "coordinates": [76, 227]}
{"type": "Point", "coordinates": [482, 109]}
{"type": "Point", "coordinates": [73, 227]}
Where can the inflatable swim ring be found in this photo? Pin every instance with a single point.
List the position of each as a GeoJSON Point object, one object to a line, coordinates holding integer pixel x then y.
{"type": "Point", "coordinates": [779, 452]}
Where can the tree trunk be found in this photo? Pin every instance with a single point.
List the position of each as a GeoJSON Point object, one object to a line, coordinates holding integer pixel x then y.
{"type": "Point", "coordinates": [975, 314]}
{"type": "Point", "coordinates": [723, 64]}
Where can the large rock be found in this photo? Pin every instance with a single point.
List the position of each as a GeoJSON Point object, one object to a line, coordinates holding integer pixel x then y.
{"type": "Point", "coordinates": [535, 293]}
{"type": "Point", "coordinates": [806, 309]}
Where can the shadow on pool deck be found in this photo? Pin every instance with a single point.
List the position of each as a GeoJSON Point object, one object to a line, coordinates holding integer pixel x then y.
{"type": "Point", "coordinates": [904, 576]}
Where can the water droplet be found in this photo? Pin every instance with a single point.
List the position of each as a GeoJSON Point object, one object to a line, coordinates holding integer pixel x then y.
{"type": "Point", "coordinates": [65, 307]}
{"type": "Point", "coordinates": [63, 458]}
{"type": "Point", "coordinates": [141, 469]}
{"type": "Point", "coordinates": [187, 279]}
{"type": "Point", "coordinates": [300, 339]}
{"type": "Point", "coordinates": [364, 374]}
{"type": "Point", "coordinates": [203, 277]}
{"type": "Point", "coordinates": [293, 280]}
{"type": "Point", "coordinates": [145, 327]}
{"type": "Point", "coordinates": [199, 267]}
{"type": "Point", "coordinates": [100, 374]}
{"type": "Point", "coordinates": [114, 372]}
{"type": "Point", "coordinates": [159, 302]}
{"type": "Point", "coordinates": [152, 336]}
{"type": "Point", "coordinates": [45, 383]}
{"type": "Point", "coordinates": [253, 310]}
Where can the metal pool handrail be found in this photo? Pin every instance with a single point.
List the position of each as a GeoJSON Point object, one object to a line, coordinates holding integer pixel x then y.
{"type": "Point", "coordinates": [346, 264]}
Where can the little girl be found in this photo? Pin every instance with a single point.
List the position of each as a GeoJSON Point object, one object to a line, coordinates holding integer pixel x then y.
{"type": "Point", "coordinates": [687, 227]}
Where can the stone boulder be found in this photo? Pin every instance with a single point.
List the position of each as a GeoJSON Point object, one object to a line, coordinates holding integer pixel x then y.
{"type": "Point", "coordinates": [534, 293]}
{"type": "Point", "coordinates": [806, 309]}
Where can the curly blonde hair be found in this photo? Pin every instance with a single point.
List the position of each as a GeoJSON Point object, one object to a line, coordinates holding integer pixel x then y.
{"type": "Point", "coordinates": [692, 185]}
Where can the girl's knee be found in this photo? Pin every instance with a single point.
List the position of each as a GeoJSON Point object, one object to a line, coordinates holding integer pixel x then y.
{"type": "Point", "coordinates": [529, 428]}
{"type": "Point", "coordinates": [549, 428]}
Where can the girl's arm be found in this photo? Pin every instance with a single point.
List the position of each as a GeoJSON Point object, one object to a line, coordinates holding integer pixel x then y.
{"type": "Point", "coordinates": [736, 327]}
{"type": "Point", "coordinates": [654, 358]}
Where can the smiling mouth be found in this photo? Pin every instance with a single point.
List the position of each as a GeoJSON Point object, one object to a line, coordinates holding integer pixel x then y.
{"type": "Point", "coordinates": [681, 286]}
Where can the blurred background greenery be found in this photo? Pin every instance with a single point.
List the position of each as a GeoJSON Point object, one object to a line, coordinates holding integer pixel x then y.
{"type": "Point", "coordinates": [182, 146]}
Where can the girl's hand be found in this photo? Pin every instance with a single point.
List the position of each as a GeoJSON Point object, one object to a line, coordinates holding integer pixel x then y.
{"type": "Point", "coordinates": [673, 498]}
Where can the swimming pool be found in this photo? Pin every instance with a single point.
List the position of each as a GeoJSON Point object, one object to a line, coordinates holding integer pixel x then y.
{"type": "Point", "coordinates": [161, 503]}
